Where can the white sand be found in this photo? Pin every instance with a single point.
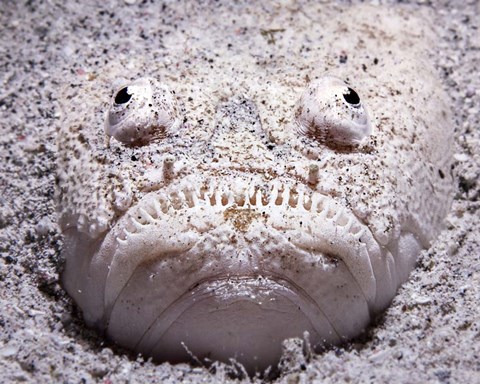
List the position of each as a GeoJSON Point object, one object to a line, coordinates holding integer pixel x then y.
{"type": "Point", "coordinates": [431, 333]}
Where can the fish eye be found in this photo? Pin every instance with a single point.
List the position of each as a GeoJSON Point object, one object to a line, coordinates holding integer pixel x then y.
{"type": "Point", "coordinates": [122, 96]}
{"type": "Point", "coordinates": [141, 112]}
{"type": "Point", "coordinates": [351, 97]}
{"type": "Point", "coordinates": [332, 113]}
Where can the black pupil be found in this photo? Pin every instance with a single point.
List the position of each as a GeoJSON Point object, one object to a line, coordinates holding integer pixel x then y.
{"type": "Point", "coordinates": [351, 97]}
{"type": "Point", "coordinates": [122, 96]}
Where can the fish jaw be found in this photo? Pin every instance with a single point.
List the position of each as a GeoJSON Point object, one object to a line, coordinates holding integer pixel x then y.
{"type": "Point", "coordinates": [220, 259]}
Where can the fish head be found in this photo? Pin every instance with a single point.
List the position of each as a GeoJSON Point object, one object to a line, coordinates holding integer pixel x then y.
{"type": "Point", "coordinates": [217, 210]}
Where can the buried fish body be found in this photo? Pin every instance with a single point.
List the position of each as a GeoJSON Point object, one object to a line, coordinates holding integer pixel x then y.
{"type": "Point", "coordinates": [220, 202]}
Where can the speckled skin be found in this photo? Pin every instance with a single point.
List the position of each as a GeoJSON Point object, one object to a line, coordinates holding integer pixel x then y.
{"type": "Point", "coordinates": [236, 230]}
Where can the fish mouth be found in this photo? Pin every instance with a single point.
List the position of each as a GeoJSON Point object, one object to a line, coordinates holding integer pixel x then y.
{"type": "Point", "coordinates": [244, 318]}
{"type": "Point", "coordinates": [180, 268]}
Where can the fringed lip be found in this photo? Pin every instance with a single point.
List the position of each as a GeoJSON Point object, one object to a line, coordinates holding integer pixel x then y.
{"type": "Point", "coordinates": [175, 221]}
{"type": "Point", "coordinates": [174, 238]}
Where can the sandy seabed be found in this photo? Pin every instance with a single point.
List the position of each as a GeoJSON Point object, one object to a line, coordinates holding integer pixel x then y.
{"type": "Point", "coordinates": [431, 333]}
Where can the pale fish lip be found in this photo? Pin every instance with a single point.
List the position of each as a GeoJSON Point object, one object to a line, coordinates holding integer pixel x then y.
{"type": "Point", "coordinates": [245, 318]}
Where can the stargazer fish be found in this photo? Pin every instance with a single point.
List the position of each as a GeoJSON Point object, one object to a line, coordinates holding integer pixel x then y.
{"type": "Point", "coordinates": [271, 173]}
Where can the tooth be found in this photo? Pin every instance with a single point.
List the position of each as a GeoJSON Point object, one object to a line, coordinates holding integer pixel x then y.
{"type": "Point", "coordinates": [360, 265]}
{"type": "Point", "coordinates": [337, 215]}
{"type": "Point", "coordinates": [239, 198]}
{"type": "Point", "coordinates": [349, 224]}
{"type": "Point", "coordinates": [182, 198]}
{"type": "Point", "coordinates": [201, 194]}
{"type": "Point", "coordinates": [146, 215]}
{"type": "Point", "coordinates": [174, 201]}
{"type": "Point", "coordinates": [359, 234]}
{"type": "Point", "coordinates": [130, 227]}
{"type": "Point", "coordinates": [189, 198]}
{"type": "Point", "coordinates": [218, 197]}
{"type": "Point", "coordinates": [286, 196]}
{"type": "Point", "coordinates": [258, 197]}
{"type": "Point", "coordinates": [273, 195]}
{"type": "Point", "coordinates": [136, 223]}
{"type": "Point", "coordinates": [325, 211]}
{"type": "Point", "coordinates": [231, 198]}
{"type": "Point", "coordinates": [121, 241]}
{"type": "Point", "coordinates": [149, 216]}
{"type": "Point", "coordinates": [246, 198]}
{"type": "Point", "coordinates": [166, 205]}
{"type": "Point", "coordinates": [122, 236]}
{"type": "Point", "coordinates": [206, 198]}
{"type": "Point", "coordinates": [333, 211]}
{"type": "Point", "coordinates": [196, 197]}
{"type": "Point", "coordinates": [300, 200]}
{"type": "Point", "coordinates": [251, 195]}
{"type": "Point", "coordinates": [157, 207]}
{"type": "Point", "coordinates": [317, 203]}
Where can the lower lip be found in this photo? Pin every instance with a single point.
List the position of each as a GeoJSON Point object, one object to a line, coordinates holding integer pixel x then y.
{"type": "Point", "coordinates": [245, 318]}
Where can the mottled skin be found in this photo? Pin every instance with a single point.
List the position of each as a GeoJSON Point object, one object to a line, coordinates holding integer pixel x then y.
{"type": "Point", "coordinates": [237, 228]}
